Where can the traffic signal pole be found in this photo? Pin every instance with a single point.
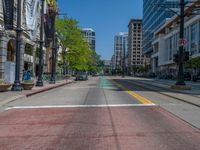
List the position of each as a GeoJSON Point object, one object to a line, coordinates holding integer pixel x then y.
{"type": "Point", "coordinates": [180, 79]}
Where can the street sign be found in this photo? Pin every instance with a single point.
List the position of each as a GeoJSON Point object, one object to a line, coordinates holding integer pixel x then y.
{"type": "Point", "coordinates": [182, 42]}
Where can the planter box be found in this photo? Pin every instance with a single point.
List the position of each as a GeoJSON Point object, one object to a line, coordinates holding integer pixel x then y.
{"type": "Point", "coordinates": [4, 87]}
{"type": "Point", "coordinates": [27, 86]}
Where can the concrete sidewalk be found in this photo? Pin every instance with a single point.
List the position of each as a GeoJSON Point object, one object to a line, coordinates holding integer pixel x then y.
{"type": "Point", "coordinates": [9, 96]}
{"type": "Point", "coordinates": [163, 87]}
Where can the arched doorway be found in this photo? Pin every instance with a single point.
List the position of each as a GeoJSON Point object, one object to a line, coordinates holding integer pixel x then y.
{"type": "Point", "coordinates": [11, 51]}
{"type": "Point", "coordinates": [10, 62]}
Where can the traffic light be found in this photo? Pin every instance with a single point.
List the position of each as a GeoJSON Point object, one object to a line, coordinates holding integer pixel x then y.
{"type": "Point", "coordinates": [176, 58]}
{"type": "Point", "coordinates": [186, 56]}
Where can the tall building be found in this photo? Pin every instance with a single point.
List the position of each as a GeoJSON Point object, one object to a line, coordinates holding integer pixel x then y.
{"type": "Point", "coordinates": [135, 57]}
{"type": "Point", "coordinates": [90, 35]}
{"type": "Point", "coordinates": [120, 45]}
{"type": "Point", "coordinates": [166, 42]}
{"type": "Point", "coordinates": [155, 14]}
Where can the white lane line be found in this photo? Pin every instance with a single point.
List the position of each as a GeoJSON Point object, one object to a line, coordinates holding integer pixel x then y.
{"type": "Point", "coordinates": [79, 106]}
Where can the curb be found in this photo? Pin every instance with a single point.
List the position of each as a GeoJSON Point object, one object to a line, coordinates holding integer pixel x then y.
{"type": "Point", "coordinates": [12, 99]}
{"type": "Point", "coordinates": [47, 89]}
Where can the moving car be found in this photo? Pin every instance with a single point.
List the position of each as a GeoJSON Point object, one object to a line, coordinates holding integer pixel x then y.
{"type": "Point", "coordinates": [81, 76]}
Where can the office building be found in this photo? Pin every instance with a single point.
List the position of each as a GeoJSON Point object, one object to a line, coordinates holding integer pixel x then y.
{"type": "Point", "coordinates": [155, 14]}
{"type": "Point", "coordinates": [135, 57]}
{"type": "Point", "coordinates": [90, 36]}
{"type": "Point", "coordinates": [166, 41]}
{"type": "Point", "coordinates": [120, 46]}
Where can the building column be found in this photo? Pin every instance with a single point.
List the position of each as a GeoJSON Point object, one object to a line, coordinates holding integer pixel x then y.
{"type": "Point", "coordinates": [3, 55]}
{"type": "Point", "coordinates": [22, 58]}
{"type": "Point", "coordinates": [34, 60]}
{"type": "Point", "coordinates": [48, 63]}
{"type": "Point", "coordinates": [198, 38]}
{"type": "Point", "coordinates": [153, 65]}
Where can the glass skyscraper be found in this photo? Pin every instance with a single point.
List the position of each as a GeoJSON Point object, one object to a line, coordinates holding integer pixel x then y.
{"type": "Point", "coordinates": [120, 45]}
{"type": "Point", "coordinates": [155, 13]}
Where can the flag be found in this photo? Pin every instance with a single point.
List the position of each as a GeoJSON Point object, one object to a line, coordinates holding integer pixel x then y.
{"type": "Point", "coordinates": [32, 14]}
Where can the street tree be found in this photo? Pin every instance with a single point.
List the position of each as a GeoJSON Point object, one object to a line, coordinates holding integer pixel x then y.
{"type": "Point", "coordinates": [193, 63]}
{"type": "Point", "coordinates": [79, 55]}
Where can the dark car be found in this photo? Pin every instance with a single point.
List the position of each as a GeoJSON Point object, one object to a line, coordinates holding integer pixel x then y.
{"type": "Point", "coordinates": [81, 76]}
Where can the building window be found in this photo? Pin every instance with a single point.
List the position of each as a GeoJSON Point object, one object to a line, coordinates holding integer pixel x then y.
{"type": "Point", "coordinates": [194, 39]}
{"type": "Point", "coordinates": [28, 49]}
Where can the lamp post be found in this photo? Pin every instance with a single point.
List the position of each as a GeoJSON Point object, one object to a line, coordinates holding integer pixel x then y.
{"type": "Point", "coordinates": [17, 85]}
{"type": "Point", "coordinates": [54, 48]}
{"type": "Point", "coordinates": [180, 80]}
{"type": "Point", "coordinates": [41, 61]}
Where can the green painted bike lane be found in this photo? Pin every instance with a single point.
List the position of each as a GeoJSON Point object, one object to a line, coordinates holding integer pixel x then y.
{"type": "Point", "coordinates": [106, 84]}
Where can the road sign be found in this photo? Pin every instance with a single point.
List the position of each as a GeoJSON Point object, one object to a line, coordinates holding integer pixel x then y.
{"type": "Point", "coordinates": [182, 42]}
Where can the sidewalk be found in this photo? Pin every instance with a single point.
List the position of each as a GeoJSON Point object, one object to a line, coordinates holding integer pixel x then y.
{"type": "Point", "coordinates": [163, 87]}
{"type": "Point", "coordinates": [9, 96]}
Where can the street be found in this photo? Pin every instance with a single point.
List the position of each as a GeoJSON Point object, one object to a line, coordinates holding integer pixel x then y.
{"type": "Point", "coordinates": [74, 77]}
{"type": "Point", "coordinates": [102, 113]}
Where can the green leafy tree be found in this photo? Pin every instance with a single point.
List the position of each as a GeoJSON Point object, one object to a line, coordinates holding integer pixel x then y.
{"type": "Point", "coordinates": [193, 63]}
{"type": "Point", "coordinates": [79, 54]}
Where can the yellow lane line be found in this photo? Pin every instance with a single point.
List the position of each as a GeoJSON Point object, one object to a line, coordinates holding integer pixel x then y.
{"type": "Point", "coordinates": [137, 96]}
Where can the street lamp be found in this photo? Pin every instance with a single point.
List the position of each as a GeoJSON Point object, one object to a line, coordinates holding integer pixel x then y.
{"type": "Point", "coordinates": [41, 61]}
{"type": "Point", "coordinates": [53, 54]}
{"type": "Point", "coordinates": [17, 85]}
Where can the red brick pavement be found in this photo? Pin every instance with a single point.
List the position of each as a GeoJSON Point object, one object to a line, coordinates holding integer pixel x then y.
{"type": "Point", "coordinates": [123, 128]}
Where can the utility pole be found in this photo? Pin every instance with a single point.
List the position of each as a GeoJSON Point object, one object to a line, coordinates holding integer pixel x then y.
{"type": "Point", "coordinates": [17, 85]}
{"type": "Point", "coordinates": [180, 80]}
{"type": "Point", "coordinates": [41, 58]}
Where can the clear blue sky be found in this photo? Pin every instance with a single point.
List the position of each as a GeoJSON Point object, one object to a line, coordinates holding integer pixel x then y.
{"type": "Point", "coordinates": [106, 17]}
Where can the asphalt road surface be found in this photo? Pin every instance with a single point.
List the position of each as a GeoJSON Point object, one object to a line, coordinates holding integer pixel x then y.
{"type": "Point", "coordinates": [98, 114]}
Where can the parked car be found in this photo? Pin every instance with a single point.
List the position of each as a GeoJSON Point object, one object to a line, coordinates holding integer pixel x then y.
{"type": "Point", "coordinates": [81, 76]}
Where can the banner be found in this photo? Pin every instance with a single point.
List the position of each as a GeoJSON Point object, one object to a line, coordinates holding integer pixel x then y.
{"type": "Point", "coordinates": [49, 26]}
{"type": "Point", "coordinates": [32, 14]}
{"type": "Point", "coordinates": [8, 12]}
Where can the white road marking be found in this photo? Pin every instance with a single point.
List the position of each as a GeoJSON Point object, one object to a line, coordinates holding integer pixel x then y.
{"type": "Point", "coordinates": [79, 106]}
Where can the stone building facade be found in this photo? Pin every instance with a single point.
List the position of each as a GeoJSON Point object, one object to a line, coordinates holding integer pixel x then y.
{"type": "Point", "coordinates": [29, 47]}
